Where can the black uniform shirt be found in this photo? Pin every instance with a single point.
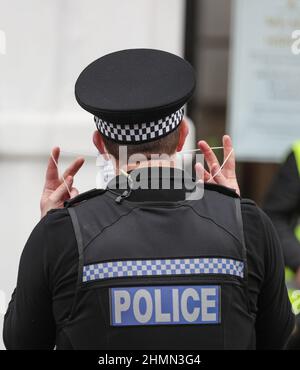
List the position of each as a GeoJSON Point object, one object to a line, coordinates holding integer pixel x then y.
{"type": "Point", "coordinates": [282, 204]}
{"type": "Point", "coordinates": [49, 266]}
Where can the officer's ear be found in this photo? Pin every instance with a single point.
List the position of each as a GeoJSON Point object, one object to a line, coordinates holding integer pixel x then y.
{"type": "Point", "coordinates": [99, 143]}
{"type": "Point", "coordinates": [183, 133]}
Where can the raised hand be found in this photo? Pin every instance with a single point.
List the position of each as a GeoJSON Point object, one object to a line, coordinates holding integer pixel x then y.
{"type": "Point", "coordinates": [58, 189]}
{"type": "Point", "coordinates": [226, 176]}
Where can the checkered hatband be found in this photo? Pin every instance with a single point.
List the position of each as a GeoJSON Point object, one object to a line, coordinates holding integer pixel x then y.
{"type": "Point", "coordinates": [139, 133]}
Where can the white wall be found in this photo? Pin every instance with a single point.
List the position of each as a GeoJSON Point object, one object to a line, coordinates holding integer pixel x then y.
{"type": "Point", "coordinates": [47, 45]}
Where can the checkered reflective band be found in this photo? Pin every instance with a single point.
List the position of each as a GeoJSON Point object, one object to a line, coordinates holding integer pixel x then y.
{"type": "Point", "coordinates": [163, 267]}
{"type": "Point", "coordinates": [138, 133]}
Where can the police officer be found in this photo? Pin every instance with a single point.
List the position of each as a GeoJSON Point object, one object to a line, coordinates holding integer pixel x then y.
{"type": "Point", "coordinates": [282, 204]}
{"type": "Point", "coordinates": [143, 267]}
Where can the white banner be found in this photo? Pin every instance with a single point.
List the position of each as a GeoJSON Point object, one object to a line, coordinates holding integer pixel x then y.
{"type": "Point", "coordinates": [264, 108]}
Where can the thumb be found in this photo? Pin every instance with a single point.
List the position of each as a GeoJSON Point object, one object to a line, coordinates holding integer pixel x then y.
{"type": "Point", "coordinates": [62, 192]}
{"type": "Point", "coordinates": [74, 193]}
{"type": "Point", "coordinates": [217, 175]}
{"type": "Point", "coordinates": [202, 174]}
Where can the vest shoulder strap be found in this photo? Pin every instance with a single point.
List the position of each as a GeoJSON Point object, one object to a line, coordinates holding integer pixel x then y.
{"type": "Point", "coordinates": [83, 196]}
{"type": "Point", "coordinates": [221, 189]}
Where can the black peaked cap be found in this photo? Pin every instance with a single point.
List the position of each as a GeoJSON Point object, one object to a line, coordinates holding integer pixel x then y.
{"type": "Point", "coordinates": [135, 86]}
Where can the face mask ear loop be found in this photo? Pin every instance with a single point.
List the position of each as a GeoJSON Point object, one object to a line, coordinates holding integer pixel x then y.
{"type": "Point", "coordinates": [223, 164]}
{"type": "Point", "coordinates": [198, 150]}
{"type": "Point", "coordinates": [63, 179]}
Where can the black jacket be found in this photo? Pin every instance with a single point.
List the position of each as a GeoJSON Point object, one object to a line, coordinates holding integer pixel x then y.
{"type": "Point", "coordinates": [282, 204]}
{"type": "Point", "coordinates": [50, 266]}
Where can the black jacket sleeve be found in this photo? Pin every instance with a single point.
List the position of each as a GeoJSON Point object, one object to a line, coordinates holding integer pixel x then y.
{"type": "Point", "coordinates": [282, 204]}
{"type": "Point", "coordinates": [29, 322]}
{"type": "Point", "coordinates": [275, 319]}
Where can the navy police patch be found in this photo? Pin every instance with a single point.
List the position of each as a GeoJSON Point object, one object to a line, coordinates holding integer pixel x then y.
{"type": "Point", "coordinates": [165, 305]}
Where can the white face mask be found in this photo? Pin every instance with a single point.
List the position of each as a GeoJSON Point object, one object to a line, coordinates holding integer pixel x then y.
{"type": "Point", "coordinates": [105, 171]}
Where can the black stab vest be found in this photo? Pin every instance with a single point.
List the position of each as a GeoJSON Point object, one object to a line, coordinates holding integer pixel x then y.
{"type": "Point", "coordinates": [177, 237]}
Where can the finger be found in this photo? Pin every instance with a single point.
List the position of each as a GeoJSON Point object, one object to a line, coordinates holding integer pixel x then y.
{"type": "Point", "coordinates": [62, 192]}
{"type": "Point", "coordinates": [52, 172]}
{"type": "Point", "coordinates": [208, 153]}
{"type": "Point", "coordinates": [73, 168]}
{"type": "Point", "coordinates": [201, 173]}
{"type": "Point", "coordinates": [217, 175]}
{"type": "Point", "coordinates": [229, 167]}
{"type": "Point", "coordinates": [74, 193]}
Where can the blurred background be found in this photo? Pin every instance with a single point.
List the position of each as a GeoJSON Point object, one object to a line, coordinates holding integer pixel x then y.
{"type": "Point", "coordinates": [248, 86]}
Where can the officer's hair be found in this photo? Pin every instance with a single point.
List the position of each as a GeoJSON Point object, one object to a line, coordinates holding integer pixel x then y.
{"type": "Point", "coordinates": [165, 145]}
